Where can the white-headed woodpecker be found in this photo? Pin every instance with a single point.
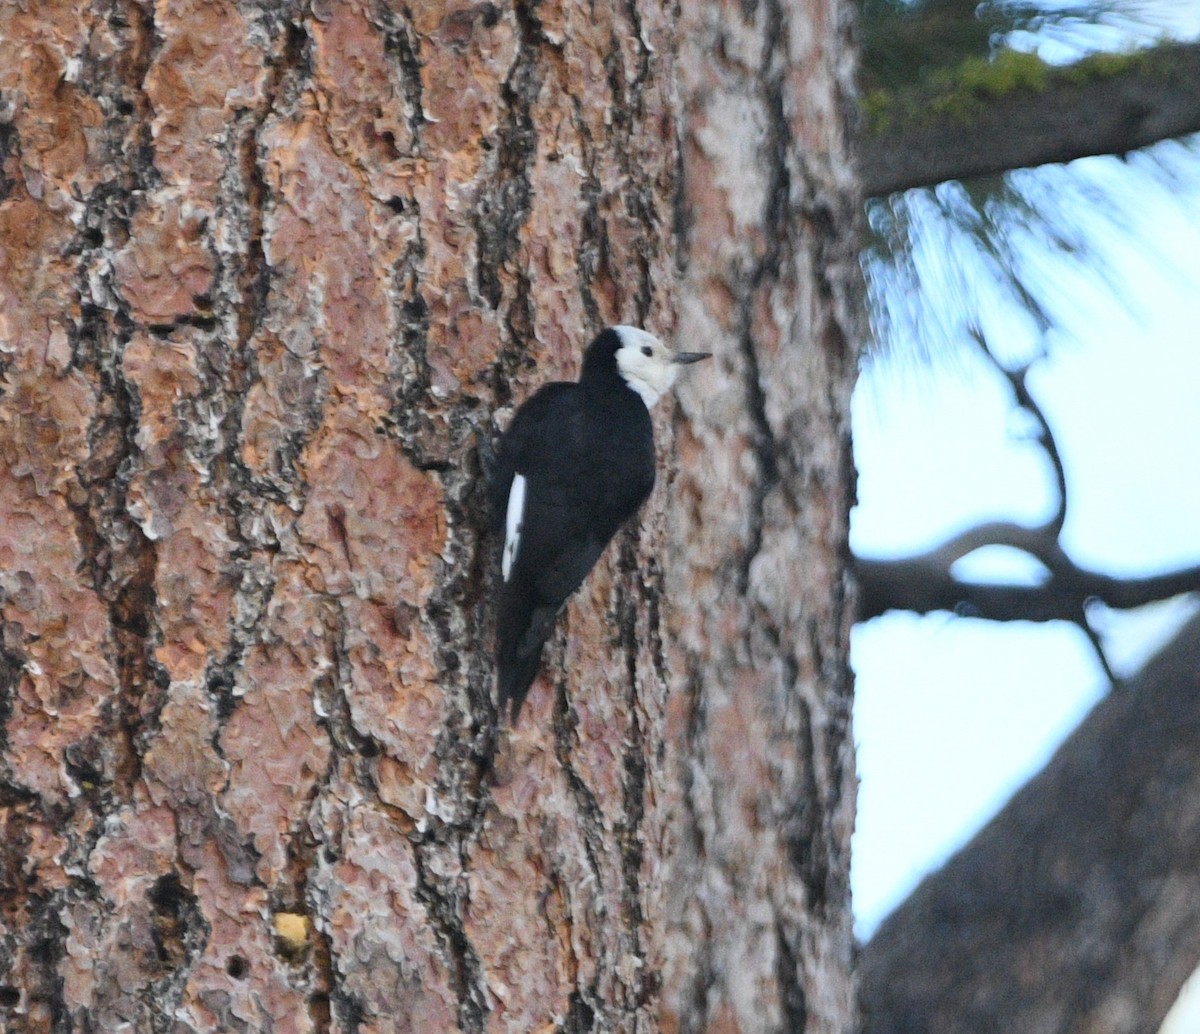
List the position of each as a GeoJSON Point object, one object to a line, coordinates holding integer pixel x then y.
{"type": "Point", "coordinates": [574, 465]}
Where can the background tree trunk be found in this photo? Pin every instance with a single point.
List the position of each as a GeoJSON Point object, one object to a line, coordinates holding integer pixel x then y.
{"type": "Point", "coordinates": [1075, 910]}
{"type": "Point", "coordinates": [266, 274]}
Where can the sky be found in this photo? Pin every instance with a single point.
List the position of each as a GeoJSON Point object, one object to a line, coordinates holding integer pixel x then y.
{"type": "Point", "coordinates": [953, 715]}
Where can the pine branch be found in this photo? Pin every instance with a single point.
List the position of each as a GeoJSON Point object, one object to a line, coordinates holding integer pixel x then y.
{"type": "Point", "coordinates": [1016, 111]}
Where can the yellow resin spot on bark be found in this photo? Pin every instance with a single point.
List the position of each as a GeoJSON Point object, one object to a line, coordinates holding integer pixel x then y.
{"type": "Point", "coordinates": [292, 929]}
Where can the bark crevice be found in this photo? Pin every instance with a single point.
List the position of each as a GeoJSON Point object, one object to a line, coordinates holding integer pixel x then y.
{"type": "Point", "coordinates": [505, 202]}
{"type": "Point", "coordinates": [119, 557]}
{"type": "Point", "coordinates": [566, 740]}
{"type": "Point", "coordinates": [766, 270]}
{"type": "Point", "coordinates": [444, 901]}
{"type": "Point", "coordinates": [633, 768]}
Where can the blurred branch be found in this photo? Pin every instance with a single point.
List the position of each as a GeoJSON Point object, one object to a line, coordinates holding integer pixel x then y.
{"type": "Point", "coordinates": [1013, 112]}
{"type": "Point", "coordinates": [1074, 909]}
{"type": "Point", "coordinates": [1025, 400]}
{"type": "Point", "coordinates": [923, 584]}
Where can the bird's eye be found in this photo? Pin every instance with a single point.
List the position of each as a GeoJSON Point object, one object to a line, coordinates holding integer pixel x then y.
{"type": "Point", "coordinates": [646, 350]}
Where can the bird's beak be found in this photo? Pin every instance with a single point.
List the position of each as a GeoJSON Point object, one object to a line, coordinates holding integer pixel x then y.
{"type": "Point", "coordinates": [690, 357]}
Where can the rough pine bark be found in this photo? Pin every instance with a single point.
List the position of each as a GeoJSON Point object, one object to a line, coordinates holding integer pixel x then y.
{"type": "Point", "coordinates": [761, 929]}
{"type": "Point", "coordinates": [269, 275]}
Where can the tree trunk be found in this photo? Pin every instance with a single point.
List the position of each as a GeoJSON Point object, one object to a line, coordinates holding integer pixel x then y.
{"type": "Point", "coordinates": [1076, 910]}
{"type": "Point", "coordinates": [761, 937]}
{"type": "Point", "coordinates": [266, 276]}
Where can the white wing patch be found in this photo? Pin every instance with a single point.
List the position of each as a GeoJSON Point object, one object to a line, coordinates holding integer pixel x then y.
{"type": "Point", "coordinates": [513, 523]}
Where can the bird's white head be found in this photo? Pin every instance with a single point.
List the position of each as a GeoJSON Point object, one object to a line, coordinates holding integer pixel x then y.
{"type": "Point", "coordinates": [647, 365]}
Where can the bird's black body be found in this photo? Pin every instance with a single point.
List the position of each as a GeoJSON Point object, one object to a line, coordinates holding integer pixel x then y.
{"type": "Point", "coordinates": [586, 451]}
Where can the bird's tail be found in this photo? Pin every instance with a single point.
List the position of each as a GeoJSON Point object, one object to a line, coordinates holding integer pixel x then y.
{"type": "Point", "coordinates": [519, 658]}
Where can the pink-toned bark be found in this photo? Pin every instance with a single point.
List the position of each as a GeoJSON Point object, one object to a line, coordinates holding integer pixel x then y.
{"type": "Point", "coordinates": [267, 279]}
{"type": "Point", "coordinates": [761, 937]}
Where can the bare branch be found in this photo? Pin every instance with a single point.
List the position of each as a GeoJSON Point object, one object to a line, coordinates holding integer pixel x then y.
{"type": "Point", "coordinates": [923, 584]}
{"type": "Point", "coordinates": [1039, 542]}
{"type": "Point", "coordinates": [1093, 637]}
{"type": "Point", "coordinates": [1025, 400]}
{"type": "Point", "coordinates": [929, 584]}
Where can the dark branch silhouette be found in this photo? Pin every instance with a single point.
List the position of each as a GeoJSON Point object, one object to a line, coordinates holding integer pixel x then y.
{"type": "Point", "coordinates": [1024, 398]}
{"type": "Point", "coordinates": [925, 582]}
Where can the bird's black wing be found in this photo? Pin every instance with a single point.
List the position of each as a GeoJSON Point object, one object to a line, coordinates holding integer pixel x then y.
{"type": "Point", "coordinates": [549, 445]}
{"type": "Point", "coordinates": [520, 440]}
{"type": "Point", "coordinates": [586, 467]}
